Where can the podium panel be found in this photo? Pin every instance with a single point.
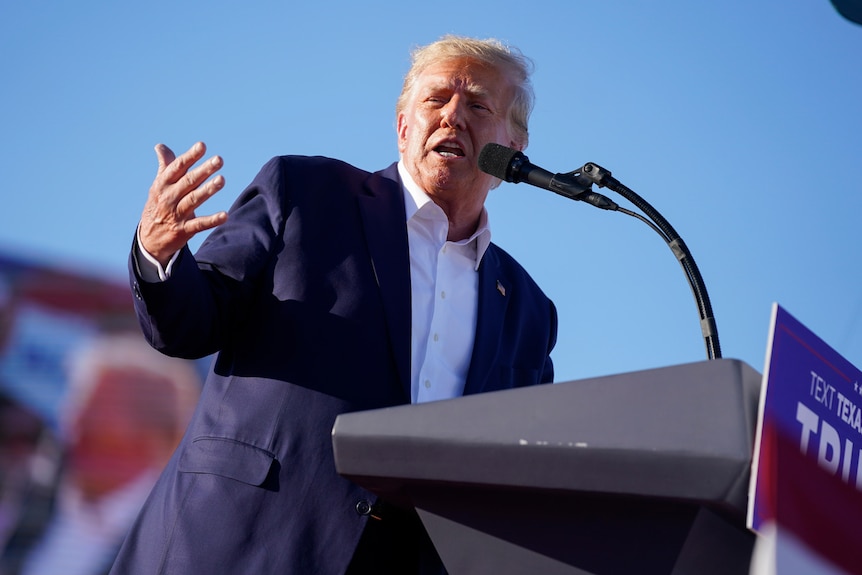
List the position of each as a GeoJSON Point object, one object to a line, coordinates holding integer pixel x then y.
{"type": "Point", "coordinates": [644, 472]}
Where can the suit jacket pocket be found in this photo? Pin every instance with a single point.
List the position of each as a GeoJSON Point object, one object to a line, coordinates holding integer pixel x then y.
{"type": "Point", "coordinates": [227, 458]}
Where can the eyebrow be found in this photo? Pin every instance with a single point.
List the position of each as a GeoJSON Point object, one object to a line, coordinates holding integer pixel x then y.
{"type": "Point", "coordinates": [472, 88]}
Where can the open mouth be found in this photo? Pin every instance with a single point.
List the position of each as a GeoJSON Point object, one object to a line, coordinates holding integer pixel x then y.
{"type": "Point", "coordinates": [449, 151]}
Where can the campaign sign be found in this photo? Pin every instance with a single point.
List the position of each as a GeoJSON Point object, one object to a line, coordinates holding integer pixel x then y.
{"type": "Point", "coordinates": [807, 469]}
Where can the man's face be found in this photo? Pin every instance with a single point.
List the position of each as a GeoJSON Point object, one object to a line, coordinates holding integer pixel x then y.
{"type": "Point", "coordinates": [455, 107]}
{"type": "Point", "coordinates": [109, 445]}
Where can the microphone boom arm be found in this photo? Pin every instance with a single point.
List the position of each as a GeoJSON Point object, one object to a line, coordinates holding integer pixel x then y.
{"type": "Point", "coordinates": [603, 178]}
{"type": "Point", "coordinates": [511, 165]}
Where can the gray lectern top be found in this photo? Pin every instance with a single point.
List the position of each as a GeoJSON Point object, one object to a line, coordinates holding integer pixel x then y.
{"type": "Point", "coordinates": [682, 432]}
{"type": "Point", "coordinates": [642, 473]}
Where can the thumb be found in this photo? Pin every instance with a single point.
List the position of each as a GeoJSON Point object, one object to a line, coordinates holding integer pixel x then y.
{"type": "Point", "coordinates": [165, 156]}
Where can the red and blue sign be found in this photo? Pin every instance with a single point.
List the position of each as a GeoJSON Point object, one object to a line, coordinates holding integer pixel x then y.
{"type": "Point", "coordinates": [807, 472]}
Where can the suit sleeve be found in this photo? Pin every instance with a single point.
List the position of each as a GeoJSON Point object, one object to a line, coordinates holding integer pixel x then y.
{"type": "Point", "coordinates": [192, 314]}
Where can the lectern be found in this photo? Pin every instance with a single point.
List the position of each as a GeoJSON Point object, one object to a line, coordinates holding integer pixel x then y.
{"type": "Point", "coordinates": [639, 473]}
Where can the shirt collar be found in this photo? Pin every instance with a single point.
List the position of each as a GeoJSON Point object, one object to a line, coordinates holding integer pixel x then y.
{"type": "Point", "coordinates": [415, 199]}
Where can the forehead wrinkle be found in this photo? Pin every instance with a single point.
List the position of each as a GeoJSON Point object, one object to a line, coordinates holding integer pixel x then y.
{"type": "Point", "coordinates": [463, 78]}
{"type": "Point", "coordinates": [457, 83]}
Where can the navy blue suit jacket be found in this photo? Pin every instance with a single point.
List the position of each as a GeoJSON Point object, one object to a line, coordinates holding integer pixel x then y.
{"type": "Point", "coordinates": [305, 294]}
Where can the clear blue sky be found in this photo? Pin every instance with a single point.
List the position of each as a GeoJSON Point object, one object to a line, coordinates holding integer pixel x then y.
{"type": "Point", "coordinates": [739, 121]}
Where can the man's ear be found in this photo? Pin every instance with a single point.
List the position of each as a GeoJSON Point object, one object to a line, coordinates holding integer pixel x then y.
{"type": "Point", "coordinates": [401, 131]}
{"type": "Point", "coordinates": [518, 143]}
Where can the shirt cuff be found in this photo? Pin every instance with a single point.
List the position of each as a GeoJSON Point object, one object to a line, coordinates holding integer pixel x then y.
{"type": "Point", "coordinates": [150, 268]}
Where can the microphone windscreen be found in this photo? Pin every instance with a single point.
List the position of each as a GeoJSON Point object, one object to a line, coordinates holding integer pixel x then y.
{"type": "Point", "coordinates": [496, 160]}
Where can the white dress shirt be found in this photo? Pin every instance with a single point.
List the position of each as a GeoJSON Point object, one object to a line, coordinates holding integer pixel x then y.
{"type": "Point", "coordinates": [444, 282]}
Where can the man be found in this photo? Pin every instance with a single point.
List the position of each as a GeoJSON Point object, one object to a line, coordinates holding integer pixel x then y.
{"type": "Point", "coordinates": [126, 409]}
{"type": "Point", "coordinates": [329, 290]}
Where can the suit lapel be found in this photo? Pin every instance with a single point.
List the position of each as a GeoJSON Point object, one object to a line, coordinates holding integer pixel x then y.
{"type": "Point", "coordinates": [494, 290]}
{"type": "Point", "coordinates": [382, 210]}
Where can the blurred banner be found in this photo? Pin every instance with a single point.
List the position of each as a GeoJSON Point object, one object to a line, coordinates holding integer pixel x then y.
{"type": "Point", "coordinates": [806, 490]}
{"type": "Point", "coordinates": [45, 313]}
{"type": "Point", "coordinates": [89, 414]}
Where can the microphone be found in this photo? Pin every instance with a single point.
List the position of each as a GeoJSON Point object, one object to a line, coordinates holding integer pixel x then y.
{"type": "Point", "coordinates": [513, 166]}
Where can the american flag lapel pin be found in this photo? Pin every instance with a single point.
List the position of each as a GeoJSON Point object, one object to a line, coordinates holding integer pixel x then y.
{"type": "Point", "coordinates": [501, 289]}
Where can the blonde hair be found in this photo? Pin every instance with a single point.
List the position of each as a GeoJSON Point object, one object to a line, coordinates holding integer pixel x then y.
{"type": "Point", "coordinates": [492, 52]}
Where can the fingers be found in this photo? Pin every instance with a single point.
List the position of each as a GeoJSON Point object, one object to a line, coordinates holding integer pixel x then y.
{"type": "Point", "coordinates": [188, 203]}
{"type": "Point", "coordinates": [196, 177]}
{"type": "Point", "coordinates": [177, 176]}
{"type": "Point", "coordinates": [168, 220]}
{"type": "Point", "coordinates": [173, 170]}
{"type": "Point", "coordinates": [203, 223]}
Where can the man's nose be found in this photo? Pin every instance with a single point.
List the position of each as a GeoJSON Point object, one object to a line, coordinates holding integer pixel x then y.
{"type": "Point", "coordinates": [452, 114]}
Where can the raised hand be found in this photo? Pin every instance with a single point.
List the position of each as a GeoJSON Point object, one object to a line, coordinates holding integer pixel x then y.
{"type": "Point", "coordinates": [169, 221]}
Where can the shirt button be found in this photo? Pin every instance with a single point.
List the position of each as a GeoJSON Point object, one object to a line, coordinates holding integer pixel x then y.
{"type": "Point", "coordinates": [436, 337]}
{"type": "Point", "coordinates": [442, 295]}
{"type": "Point", "coordinates": [427, 384]}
